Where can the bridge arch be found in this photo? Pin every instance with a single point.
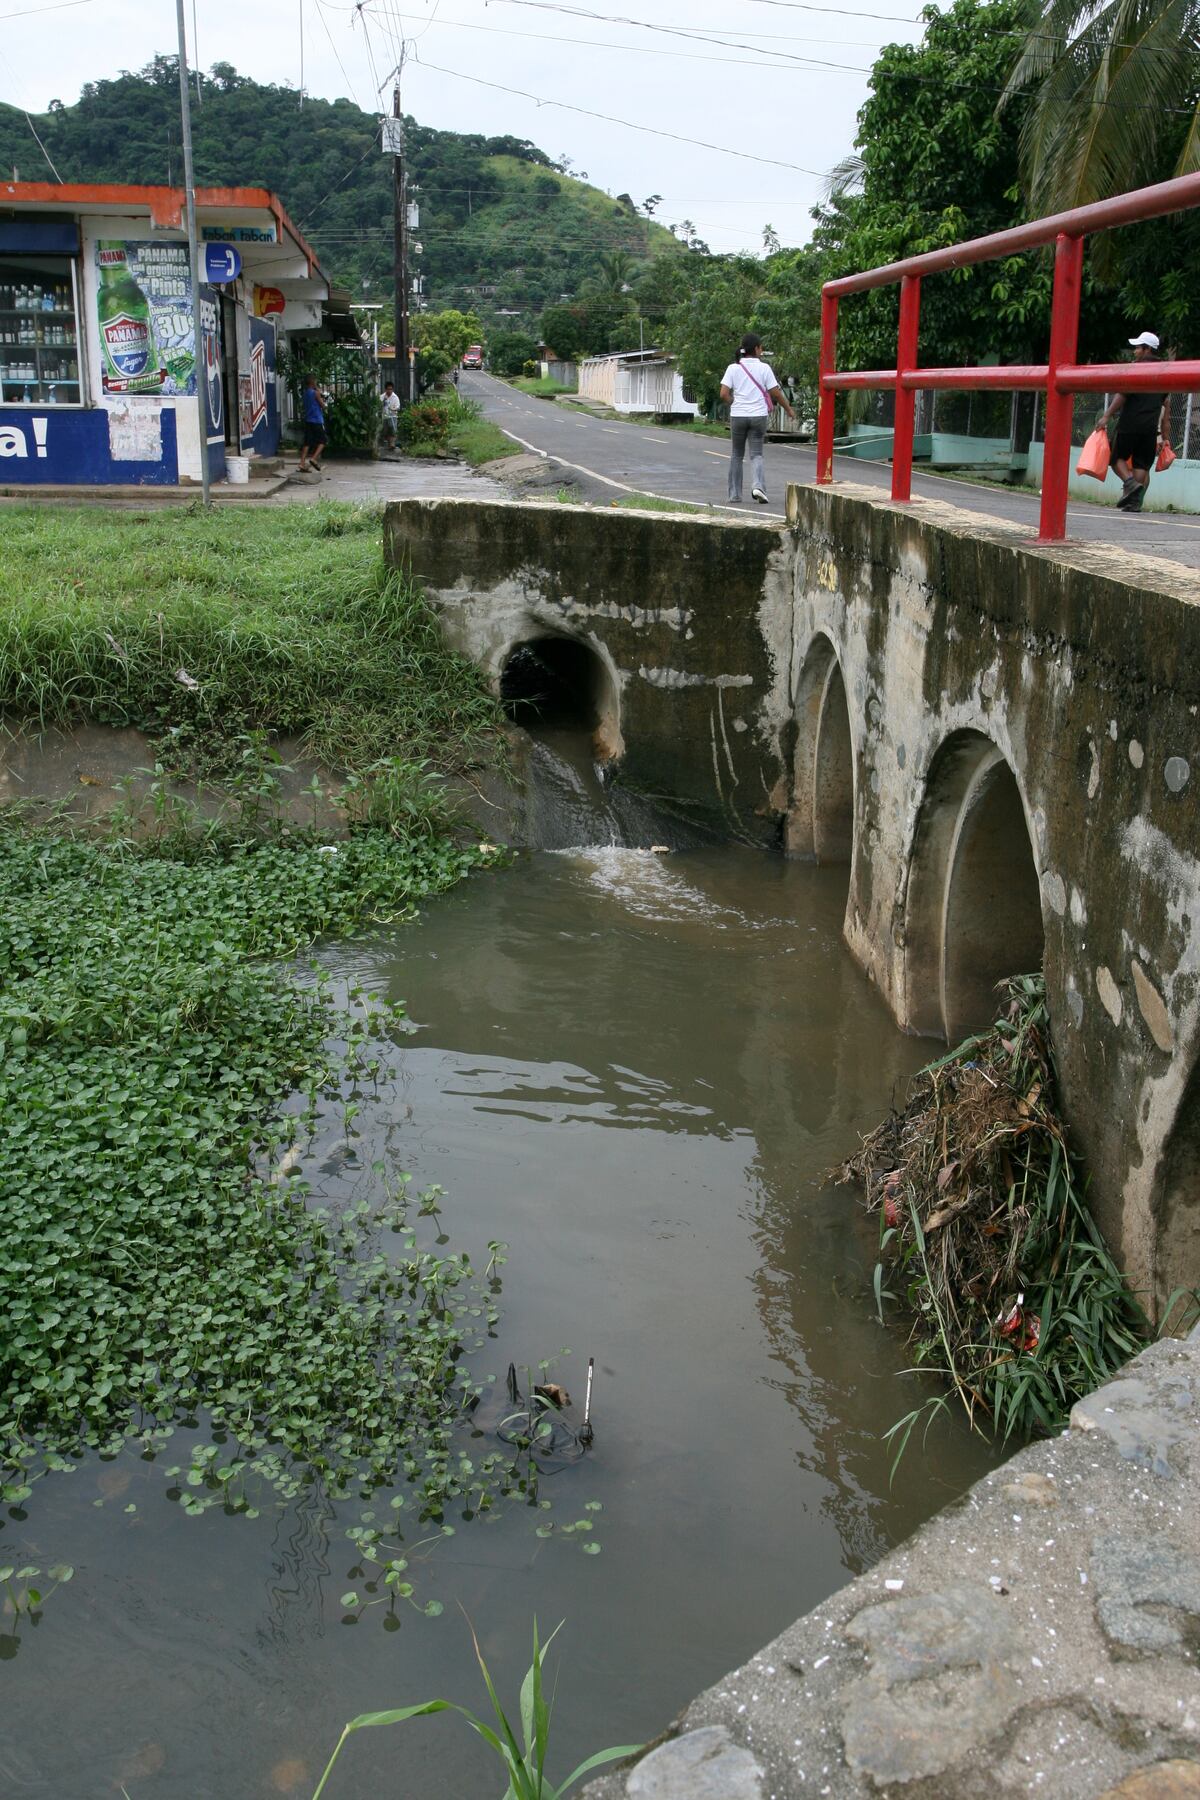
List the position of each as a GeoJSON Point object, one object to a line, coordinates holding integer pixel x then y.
{"type": "Point", "coordinates": [821, 815]}
{"type": "Point", "coordinates": [553, 681]}
{"type": "Point", "coordinates": [973, 912]}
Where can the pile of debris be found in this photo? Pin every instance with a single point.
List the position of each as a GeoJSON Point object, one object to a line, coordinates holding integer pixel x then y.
{"type": "Point", "coordinates": [985, 1236]}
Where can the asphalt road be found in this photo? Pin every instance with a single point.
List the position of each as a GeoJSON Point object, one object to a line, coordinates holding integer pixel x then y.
{"type": "Point", "coordinates": [614, 455]}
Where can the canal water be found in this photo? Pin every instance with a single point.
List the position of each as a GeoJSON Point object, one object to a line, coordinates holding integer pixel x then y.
{"type": "Point", "coordinates": [634, 1069]}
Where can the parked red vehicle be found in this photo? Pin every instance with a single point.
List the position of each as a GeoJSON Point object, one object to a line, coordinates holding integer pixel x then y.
{"type": "Point", "coordinates": [473, 358]}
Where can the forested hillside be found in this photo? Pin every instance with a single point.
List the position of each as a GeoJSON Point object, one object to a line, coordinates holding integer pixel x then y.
{"type": "Point", "coordinates": [495, 212]}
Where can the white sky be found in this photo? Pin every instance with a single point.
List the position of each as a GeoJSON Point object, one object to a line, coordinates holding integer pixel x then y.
{"type": "Point", "coordinates": [768, 99]}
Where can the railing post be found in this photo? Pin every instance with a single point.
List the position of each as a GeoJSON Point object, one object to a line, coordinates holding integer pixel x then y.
{"type": "Point", "coordinates": [825, 395]}
{"type": "Point", "coordinates": [906, 398]}
{"type": "Point", "coordinates": [1060, 407]}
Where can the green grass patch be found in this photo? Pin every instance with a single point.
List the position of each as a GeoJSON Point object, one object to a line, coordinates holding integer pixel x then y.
{"type": "Point", "coordinates": [475, 438]}
{"type": "Point", "coordinates": [198, 628]}
{"type": "Point", "coordinates": [655, 503]}
{"type": "Point", "coordinates": [540, 386]}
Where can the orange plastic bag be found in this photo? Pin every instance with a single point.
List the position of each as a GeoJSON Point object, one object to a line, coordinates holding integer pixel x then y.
{"type": "Point", "coordinates": [1166, 457]}
{"type": "Point", "coordinates": [1097, 453]}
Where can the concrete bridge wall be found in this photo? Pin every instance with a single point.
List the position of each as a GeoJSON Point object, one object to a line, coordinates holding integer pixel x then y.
{"type": "Point", "coordinates": [1000, 742]}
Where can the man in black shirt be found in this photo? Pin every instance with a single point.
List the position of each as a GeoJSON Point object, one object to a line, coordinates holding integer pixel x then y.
{"type": "Point", "coordinates": [1140, 430]}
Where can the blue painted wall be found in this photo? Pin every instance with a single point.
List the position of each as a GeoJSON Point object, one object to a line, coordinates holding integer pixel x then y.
{"type": "Point", "coordinates": [264, 438]}
{"type": "Point", "coordinates": [47, 445]}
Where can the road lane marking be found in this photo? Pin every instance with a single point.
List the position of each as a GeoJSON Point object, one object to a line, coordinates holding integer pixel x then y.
{"type": "Point", "coordinates": [582, 469]}
{"type": "Point", "coordinates": [719, 454]}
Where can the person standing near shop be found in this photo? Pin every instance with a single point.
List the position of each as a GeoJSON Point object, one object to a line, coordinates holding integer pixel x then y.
{"type": "Point", "coordinates": [313, 447]}
{"type": "Point", "coordinates": [1141, 429]}
{"type": "Point", "coordinates": [749, 389]}
{"type": "Point", "coordinates": [391, 413]}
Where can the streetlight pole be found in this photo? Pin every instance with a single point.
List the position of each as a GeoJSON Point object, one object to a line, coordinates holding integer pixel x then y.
{"type": "Point", "coordinates": [400, 234]}
{"type": "Point", "coordinates": [189, 186]}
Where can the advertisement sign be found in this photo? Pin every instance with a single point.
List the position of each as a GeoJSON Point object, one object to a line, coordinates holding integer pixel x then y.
{"type": "Point", "coordinates": [268, 300]}
{"type": "Point", "coordinates": [214, 395]}
{"type": "Point", "coordinates": [222, 263]}
{"type": "Point", "coordinates": [144, 318]}
{"type": "Point", "coordinates": [260, 407]}
{"type": "Point", "coordinates": [240, 234]}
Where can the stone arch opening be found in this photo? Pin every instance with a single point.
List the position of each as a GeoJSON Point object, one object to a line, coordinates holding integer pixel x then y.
{"type": "Point", "coordinates": [974, 912]}
{"type": "Point", "coordinates": [555, 683]}
{"type": "Point", "coordinates": [821, 816]}
{"type": "Point", "coordinates": [1177, 1206]}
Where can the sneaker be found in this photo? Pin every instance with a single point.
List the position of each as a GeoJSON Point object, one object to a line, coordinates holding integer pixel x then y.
{"type": "Point", "coordinates": [1134, 502]}
{"type": "Point", "coordinates": [759, 496]}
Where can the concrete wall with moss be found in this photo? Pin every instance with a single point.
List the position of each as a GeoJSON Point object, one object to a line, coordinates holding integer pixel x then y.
{"type": "Point", "coordinates": [1000, 740]}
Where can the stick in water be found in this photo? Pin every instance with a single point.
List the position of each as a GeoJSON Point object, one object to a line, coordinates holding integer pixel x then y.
{"type": "Point", "coordinates": [585, 1430]}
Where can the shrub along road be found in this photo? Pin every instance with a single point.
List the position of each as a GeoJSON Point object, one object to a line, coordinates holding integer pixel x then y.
{"type": "Point", "coordinates": [620, 456]}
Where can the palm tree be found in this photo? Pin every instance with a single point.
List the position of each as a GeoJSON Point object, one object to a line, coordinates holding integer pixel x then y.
{"type": "Point", "coordinates": [1114, 98]}
{"type": "Point", "coordinates": [615, 269]}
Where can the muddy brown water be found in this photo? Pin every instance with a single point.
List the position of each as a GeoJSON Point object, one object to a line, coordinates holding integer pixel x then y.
{"type": "Point", "coordinates": [633, 1069]}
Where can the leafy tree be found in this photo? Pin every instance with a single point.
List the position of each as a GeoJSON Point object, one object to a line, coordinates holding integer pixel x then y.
{"type": "Point", "coordinates": [613, 269]}
{"type": "Point", "coordinates": [1114, 104]}
{"type": "Point", "coordinates": [935, 165]}
{"type": "Point", "coordinates": [563, 330]}
{"type": "Point", "coordinates": [704, 327]}
{"type": "Point", "coordinates": [448, 332]}
{"type": "Point", "coordinates": [509, 351]}
{"type": "Point", "coordinates": [1116, 98]}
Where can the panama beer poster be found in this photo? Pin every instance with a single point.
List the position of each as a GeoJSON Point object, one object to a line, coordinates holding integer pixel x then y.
{"type": "Point", "coordinates": [146, 323]}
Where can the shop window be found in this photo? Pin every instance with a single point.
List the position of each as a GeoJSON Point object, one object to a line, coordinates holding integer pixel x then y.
{"type": "Point", "coordinates": [39, 335]}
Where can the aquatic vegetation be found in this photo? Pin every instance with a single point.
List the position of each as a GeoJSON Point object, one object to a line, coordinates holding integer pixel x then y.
{"type": "Point", "coordinates": [523, 1758]}
{"type": "Point", "coordinates": [197, 628]}
{"type": "Point", "coordinates": [161, 1266]}
{"type": "Point", "coordinates": [985, 1233]}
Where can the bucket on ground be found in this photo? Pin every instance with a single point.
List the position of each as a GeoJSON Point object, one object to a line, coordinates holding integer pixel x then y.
{"type": "Point", "coordinates": [237, 470]}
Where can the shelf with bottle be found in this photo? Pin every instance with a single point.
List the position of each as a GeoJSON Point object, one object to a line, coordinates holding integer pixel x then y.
{"type": "Point", "coordinates": [38, 393]}
{"type": "Point", "coordinates": [37, 297]}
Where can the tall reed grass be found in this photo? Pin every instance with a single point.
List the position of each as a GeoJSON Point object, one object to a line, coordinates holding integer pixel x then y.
{"type": "Point", "coordinates": [196, 628]}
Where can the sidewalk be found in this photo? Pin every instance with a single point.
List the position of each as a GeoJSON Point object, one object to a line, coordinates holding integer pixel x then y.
{"type": "Point", "coordinates": [399, 478]}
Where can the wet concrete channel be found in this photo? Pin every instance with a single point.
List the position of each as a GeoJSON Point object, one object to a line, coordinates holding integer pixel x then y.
{"type": "Point", "coordinates": [634, 1069]}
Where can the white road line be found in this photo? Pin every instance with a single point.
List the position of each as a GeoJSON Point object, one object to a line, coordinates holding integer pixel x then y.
{"type": "Point", "coordinates": [581, 469]}
{"type": "Point", "coordinates": [719, 454]}
{"type": "Point", "coordinates": [611, 430]}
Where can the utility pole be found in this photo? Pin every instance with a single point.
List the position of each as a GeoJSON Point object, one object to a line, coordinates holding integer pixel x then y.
{"type": "Point", "coordinates": [400, 230]}
{"type": "Point", "coordinates": [193, 250]}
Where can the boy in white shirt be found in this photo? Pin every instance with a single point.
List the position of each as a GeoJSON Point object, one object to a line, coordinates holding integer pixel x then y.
{"type": "Point", "coordinates": [391, 412]}
{"type": "Point", "coordinates": [749, 389]}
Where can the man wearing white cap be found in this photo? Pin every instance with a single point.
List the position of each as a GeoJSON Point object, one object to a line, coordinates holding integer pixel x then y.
{"type": "Point", "coordinates": [1140, 432]}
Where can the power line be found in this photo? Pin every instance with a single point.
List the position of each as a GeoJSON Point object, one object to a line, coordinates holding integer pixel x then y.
{"type": "Point", "coordinates": [627, 124]}
{"type": "Point", "coordinates": [58, 6]}
{"type": "Point", "coordinates": [341, 65]}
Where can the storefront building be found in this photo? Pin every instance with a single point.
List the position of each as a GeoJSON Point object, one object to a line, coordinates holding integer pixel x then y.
{"type": "Point", "coordinates": [106, 356]}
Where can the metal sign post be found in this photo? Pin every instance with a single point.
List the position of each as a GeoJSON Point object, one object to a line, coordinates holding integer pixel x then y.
{"type": "Point", "coordinates": [193, 252]}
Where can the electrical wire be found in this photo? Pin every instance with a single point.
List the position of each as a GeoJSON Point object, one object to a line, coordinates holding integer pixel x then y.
{"type": "Point", "coordinates": [627, 124]}
{"type": "Point", "coordinates": [369, 151]}
{"type": "Point", "coordinates": [58, 6]}
{"type": "Point", "coordinates": [341, 65]}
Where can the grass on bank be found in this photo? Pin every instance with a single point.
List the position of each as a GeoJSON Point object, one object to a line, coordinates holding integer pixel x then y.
{"type": "Point", "coordinates": [198, 628]}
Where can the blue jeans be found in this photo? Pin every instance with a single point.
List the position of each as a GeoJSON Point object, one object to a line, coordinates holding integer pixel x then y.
{"type": "Point", "coordinates": [745, 433]}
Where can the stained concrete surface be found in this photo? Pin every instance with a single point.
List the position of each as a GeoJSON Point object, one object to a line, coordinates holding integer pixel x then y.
{"type": "Point", "coordinates": [1040, 1637]}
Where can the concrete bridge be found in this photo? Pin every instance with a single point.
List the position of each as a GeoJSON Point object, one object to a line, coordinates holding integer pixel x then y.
{"type": "Point", "coordinates": [999, 740]}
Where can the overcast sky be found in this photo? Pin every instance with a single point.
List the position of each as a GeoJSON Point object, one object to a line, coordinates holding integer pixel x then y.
{"type": "Point", "coordinates": [781, 85]}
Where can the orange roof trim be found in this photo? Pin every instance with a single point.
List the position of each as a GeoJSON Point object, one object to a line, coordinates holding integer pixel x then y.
{"type": "Point", "coordinates": [164, 204]}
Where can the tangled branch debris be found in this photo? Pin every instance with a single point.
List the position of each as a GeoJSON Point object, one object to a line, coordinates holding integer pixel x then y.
{"type": "Point", "coordinates": [984, 1232]}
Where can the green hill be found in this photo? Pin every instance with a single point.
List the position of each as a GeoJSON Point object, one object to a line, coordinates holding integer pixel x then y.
{"type": "Point", "coordinates": [496, 215]}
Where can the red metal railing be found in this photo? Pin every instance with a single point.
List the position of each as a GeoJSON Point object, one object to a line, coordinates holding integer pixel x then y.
{"type": "Point", "coordinates": [1059, 378]}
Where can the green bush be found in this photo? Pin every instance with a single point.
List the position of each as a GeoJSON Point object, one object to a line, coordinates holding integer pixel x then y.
{"type": "Point", "coordinates": [425, 423]}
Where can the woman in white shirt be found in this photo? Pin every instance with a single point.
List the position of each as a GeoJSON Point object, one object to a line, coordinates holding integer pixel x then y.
{"type": "Point", "coordinates": [749, 389]}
